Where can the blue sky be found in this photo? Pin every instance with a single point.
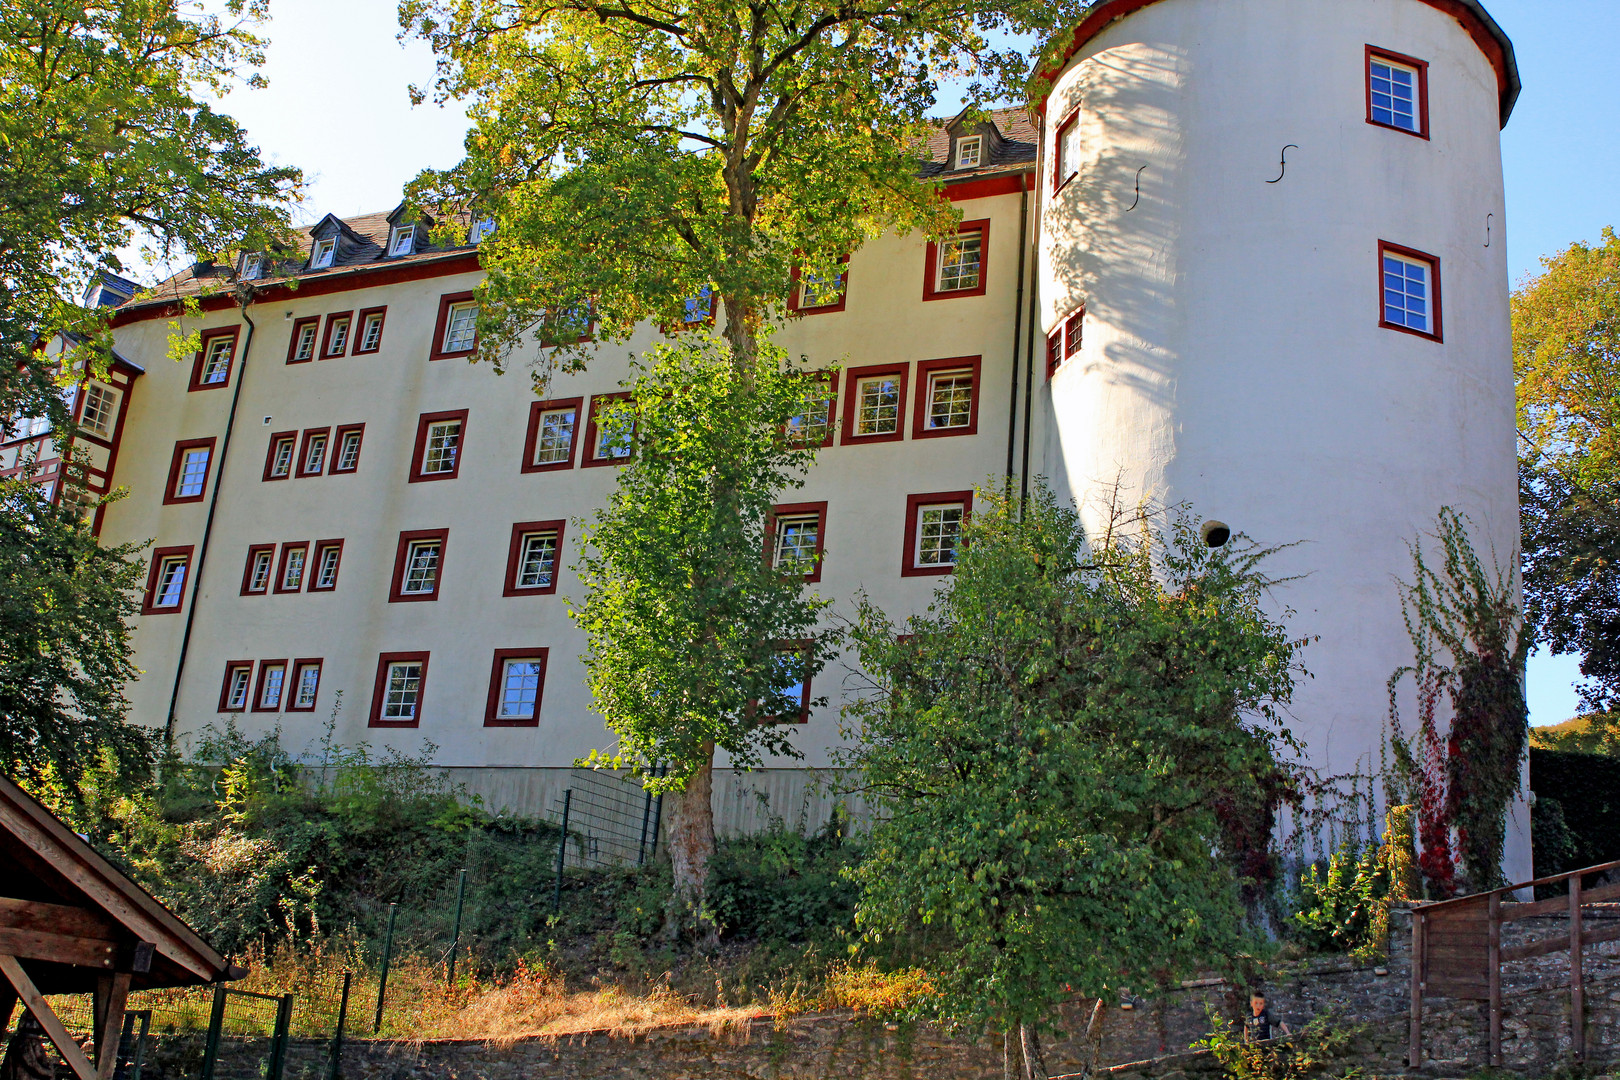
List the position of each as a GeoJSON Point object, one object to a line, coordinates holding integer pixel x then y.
{"type": "Point", "coordinates": [337, 107]}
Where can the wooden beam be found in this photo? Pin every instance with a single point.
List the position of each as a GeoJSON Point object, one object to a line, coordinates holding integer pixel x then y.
{"type": "Point", "coordinates": [1577, 986]}
{"type": "Point", "coordinates": [41, 1009]}
{"type": "Point", "coordinates": [96, 953]}
{"type": "Point", "coordinates": [1559, 944]}
{"type": "Point", "coordinates": [112, 994]}
{"type": "Point", "coordinates": [1559, 904]}
{"type": "Point", "coordinates": [55, 919]}
{"type": "Point", "coordinates": [1414, 1034]}
{"type": "Point", "coordinates": [1493, 972]}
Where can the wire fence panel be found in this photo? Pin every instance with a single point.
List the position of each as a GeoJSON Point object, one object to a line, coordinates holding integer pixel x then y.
{"type": "Point", "coordinates": [610, 820]}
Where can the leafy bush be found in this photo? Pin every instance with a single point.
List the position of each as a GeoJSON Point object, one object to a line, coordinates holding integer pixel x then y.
{"type": "Point", "coordinates": [1344, 907]}
{"type": "Point", "coordinates": [782, 885]}
{"type": "Point", "coordinates": [1309, 1053]}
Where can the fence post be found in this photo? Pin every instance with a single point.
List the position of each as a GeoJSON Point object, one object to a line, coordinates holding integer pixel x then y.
{"type": "Point", "coordinates": [335, 1068]}
{"type": "Point", "coordinates": [646, 818]}
{"type": "Point", "coordinates": [658, 820]}
{"type": "Point", "coordinates": [278, 1044]}
{"type": "Point", "coordinates": [562, 851]}
{"type": "Point", "coordinates": [216, 1020]}
{"type": "Point", "coordinates": [388, 954]}
{"type": "Point", "coordinates": [455, 936]}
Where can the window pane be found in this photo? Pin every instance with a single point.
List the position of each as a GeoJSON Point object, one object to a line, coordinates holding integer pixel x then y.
{"type": "Point", "coordinates": [442, 442]}
{"type": "Point", "coordinates": [967, 152]}
{"type": "Point", "coordinates": [615, 434]}
{"type": "Point", "coordinates": [326, 573]}
{"type": "Point", "coordinates": [421, 567]}
{"type": "Point", "coordinates": [1406, 293]}
{"type": "Point", "coordinates": [284, 454]}
{"type": "Point", "coordinates": [878, 406]}
{"type": "Point", "coordinates": [950, 400]}
{"type": "Point", "coordinates": [959, 259]}
{"type": "Point", "coordinates": [217, 361]}
{"type": "Point", "coordinates": [461, 328]}
{"type": "Point", "coordinates": [306, 343]}
{"type": "Point", "coordinates": [372, 335]}
{"type": "Point", "coordinates": [816, 291]}
{"type": "Point", "coordinates": [292, 573]}
{"type": "Point", "coordinates": [261, 572]}
{"type": "Point", "coordinates": [555, 442]}
{"type": "Point", "coordinates": [339, 339]}
{"type": "Point", "coordinates": [349, 452]}
{"type": "Point", "coordinates": [193, 472]}
{"type": "Point", "coordinates": [809, 428]}
{"type": "Point", "coordinates": [796, 543]}
{"type": "Point", "coordinates": [520, 689]}
{"type": "Point", "coordinates": [309, 677]}
{"type": "Point", "coordinates": [315, 459]}
{"type": "Point", "coordinates": [402, 240]}
{"type": "Point", "coordinates": [538, 565]}
{"type": "Point", "coordinates": [171, 582]}
{"type": "Point", "coordinates": [270, 695]}
{"type": "Point", "coordinates": [1072, 331]}
{"type": "Point", "coordinates": [404, 689]}
{"type": "Point", "coordinates": [236, 697]}
{"type": "Point", "coordinates": [699, 307]}
{"type": "Point", "coordinates": [100, 406]}
{"type": "Point", "coordinates": [1394, 95]}
{"type": "Point", "coordinates": [323, 254]}
{"type": "Point", "coordinates": [938, 530]}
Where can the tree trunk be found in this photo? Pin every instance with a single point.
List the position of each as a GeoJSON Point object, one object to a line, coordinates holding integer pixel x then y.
{"type": "Point", "coordinates": [691, 845]}
{"type": "Point", "coordinates": [1034, 1059]}
{"type": "Point", "coordinates": [1012, 1058]}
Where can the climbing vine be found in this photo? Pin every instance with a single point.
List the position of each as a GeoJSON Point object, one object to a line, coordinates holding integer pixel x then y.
{"type": "Point", "coordinates": [1470, 644]}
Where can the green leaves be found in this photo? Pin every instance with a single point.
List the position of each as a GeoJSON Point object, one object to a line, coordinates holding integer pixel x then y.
{"type": "Point", "coordinates": [1047, 748]}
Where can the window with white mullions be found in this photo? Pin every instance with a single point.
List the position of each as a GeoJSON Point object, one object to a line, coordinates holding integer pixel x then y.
{"type": "Point", "coordinates": [796, 542]}
{"type": "Point", "coordinates": [960, 258]}
{"type": "Point", "coordinates": [217, 360]}
{"type": "Point", "coordinates": [306, 684]}
{"type": "Point", "coordinates": [537, 563]}
{"type": "Point", "coordinates": [271, 680]}
{"type": "Point", "coordinates": [371, 333]}
{"type": "Point", "coordinates": [699, 308]}
{"type": "Point", "coordinates": [281, 462]}
{"type": "Point", "coordinates": [950, 400]}
{"type": "Point", "coordinates": [969, 152]}
{"type": "Point", "coordinates": [193, 473]}
{"type": "Point", "coordinates": [292, 570]}
{"type": "Point", "coordinates": [460, 328]}
{"type": "Point", "coordinates": [421, 568]}
{"type": "Point", "coordinates": [404, 240]}
{"type": "Point", "coordinates": [338, 337]}
{"type": "Point", "coordinates": [443, 442]}
{"type": "Point", "coordinates": [1397, 92]}
{"type": "Point", "coordinates": [326, 567]}
{"type": "Point", "coordinates": [520, 689]}
{"type": "Point", "coordinates": [554, 442]}
{"type": "Point", "coordinates": [403, 691]}
{"type": "Point", "coordinates": [100, 409]}
{"type": "Point", "coordinates": [305, 347]}
{"type": "Point", "coordinates": [1411, 291]}
{"type": "Point", "coordinates": [810, 427]}
{"type": "Point", "coordinates": [315, 455]}
{"type": "Point", "coordinates": [236, 688]}
{"type": "Point", "coordinates": [259, 573]}
{"type": "Point", "coordinates": [877, 409]}
{"type": "Point", "coordinates": [939, 533]}
{"type": "Point", "coordinates": [322, 253]}
{"type": "Point", "coordinates": [348, 457]}
{"type": "Point", "coordinates": [171, 582]}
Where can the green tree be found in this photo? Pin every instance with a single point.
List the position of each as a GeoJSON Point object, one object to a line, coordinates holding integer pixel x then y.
{"type": "Point", "coordinates": [64, 645]}
{"type": "Point", "coordinates": [1046, 747]}
{"type": "Point", "coordinates": [693, 638]}
{"type": "Point", "coordinates": [649, 162]}
{"type": "Point", "coordinates": [1566, 355]}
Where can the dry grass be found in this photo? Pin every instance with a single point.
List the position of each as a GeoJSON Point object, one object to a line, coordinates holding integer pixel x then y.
{"type": "Point", "coordinates": [867, 989]}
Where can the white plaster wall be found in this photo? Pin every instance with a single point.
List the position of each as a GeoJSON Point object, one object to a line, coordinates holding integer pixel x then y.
{"type": "Point", "coordinates": [1233, 356]}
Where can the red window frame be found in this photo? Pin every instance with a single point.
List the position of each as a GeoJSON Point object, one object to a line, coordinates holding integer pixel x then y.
{"type": "Point", "coordinates": [931, 263]}
{"type": "Point", "coordinates": [531, 439]}
{"type": "Point", "coordinates": [1438, 334]}
{"type": "Point", "coordinates": [253, 552]}
{"type": "Point", "coordinates": [914, 503]}
{"type": "Point", "coordinates": [795, 297]}
{"type": "Point", "coordinates": [159, 556]}
{"type": "Point", "coordinates": [278, 585]}
{"type": "Point", "coordinates": [1054, 350]}
{"type": "Point", "coordinates": [258, 687]}
{"type": "Point", "coordinates": [588, 458]}
{"type": "Point", "coordinates": [829, 380]}
{"type": "Point", "coordinates": [208, 337]}
{"type": "Point", "coordinates": [312, 567]}
{"type": "Point", "coordinates": [357, 331]}
{"type": "Point", "coordinates": [423, 422]}
{"type": "Point", "coordinates": [1060, 179]}
{"type": "Point", "coordinates": [397, 581]}
{"type": "Point", "coordinates": [270, 455]}
{"type": "Point", "coordinates": [297, 331]}
{"type": "Point", "coordinates": [514, 555]}
{"type": "Point", "coordinates": [231, 667]}
{"type": "Point", "coordinates": [380, 687]}
{"type": "Point", "coordinates": [852, 380]}
{"type": "Point", "coordinates": [335, 447]}
{"type": "Point", "coordinates": [326, 352]}
{"type": "Point", "coordinates": [289, 686]}
{"type": "Point", "coordinates": [804, 509]}
{"type": "Point", "coordinates": [446, 301]}
{"type": "Point", "coordinates": [492, 707]}
{"type": "Point", "coordinates": [803, 649]}
{"type": "Point", "coordinates": [1422, 68]}
{"type": "Point", "coordinates": [326, 455]}
{"type": "Point", "coordinates": [180, 448]}
{"type": "Point", "coordinates": [925, 369]}
{"type": "Point", "coordinates": [1065, 339]}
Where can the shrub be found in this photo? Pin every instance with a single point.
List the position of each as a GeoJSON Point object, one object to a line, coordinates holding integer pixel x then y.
{"type": "Point", "coordinates": [1345, 906]}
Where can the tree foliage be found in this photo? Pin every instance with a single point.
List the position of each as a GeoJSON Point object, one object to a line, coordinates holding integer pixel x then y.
{"type": "Point", "coordinates": [1045, 747]}
{"type": "Point", "coordinates": [65, 655]}
{"type": "Point", "coordinates": [1566, 352]}
{"type": "Point", "coordinates": [692, 635]}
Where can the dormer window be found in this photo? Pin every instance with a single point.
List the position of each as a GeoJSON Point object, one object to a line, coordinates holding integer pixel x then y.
{"type": "Point", "coordinates": [404, 240]}
{"type": "Point", "coordinates": [480, 230]}
{"type": "Point", "coordinates": [322, 254]}
{"type": "Point", "coordinates": [969, 152]}
{"type": "Point", "coordinates": [252, 265]}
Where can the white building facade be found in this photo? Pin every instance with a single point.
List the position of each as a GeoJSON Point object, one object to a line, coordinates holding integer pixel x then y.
{"type": "Point", "coordinates": [1250, 256]}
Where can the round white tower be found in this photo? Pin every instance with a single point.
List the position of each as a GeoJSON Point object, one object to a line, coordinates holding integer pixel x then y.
{"type": "Point", "coordinates": [1316, 351]}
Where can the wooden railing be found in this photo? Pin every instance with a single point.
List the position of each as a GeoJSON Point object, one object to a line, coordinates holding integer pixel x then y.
{"type": "Point", "coordinates": [1457, 951]}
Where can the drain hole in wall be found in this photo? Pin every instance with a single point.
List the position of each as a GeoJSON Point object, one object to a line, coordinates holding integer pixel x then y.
{"type": "Point", "coordinates": [1216, 533]}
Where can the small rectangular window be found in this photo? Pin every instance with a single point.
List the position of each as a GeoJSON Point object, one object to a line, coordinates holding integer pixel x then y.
{"type": "Point", "coordinates": [875, 399]}
{"type": "Point", "coordinates": [188, 471]}
{"type": "Point", "coordinates": [1066, 158]}
{"type": "Point", "coordinates": [461, 329]}
{"type": "Point", "coordinates": [516, 684]}
{"type": "Point", "coordinates": [418, 565]}
{"type": "Point", "coordinates": [609, 440]}
{"type": "Point", "coordinates": [816, 294]}
{"type": "Point", "coordinates": [290, 577]}
{"type": "Point", "coordinates": [336, 340]}
{"type": "Point", "coordinates": [398, 694]}
{"type": "Point", "coordinates": [371, 329]}
{"type": "Point", "coordinates": [278, 461]}
{"type": "Point", "coordinates": [302, 345]}
{"type": "Point", "coordinates": [306, 685]}
{"type": "Point", "coordinates": [949, 400]}
{"type": "Point", "coordinates": [1072, 330]}
{"type": "Point", "coordinates": [552, 427]}
{"type": "Point", "coordinates": [212, 368]}
{"type": "Point", "coordinates": [1397, 92]}
{"type": "Point", "coordinates": [1410, 285]}
{"type": "Point", "coordinates": [312, 462]}
{"type": "Point", "coordinates": [699, 308]}
{"type": "Point", "coordinates": [346, 458]}
{"type": "Point", "coordinates": [480, 229]}
{"type": "Point", "coordinates": [403, 241]}
{"type": "Point", "coordinates": [1054, 351]}
{"type": "Point", "coordinates": [322, 253]}
{"type": "Point", "coordinates": [792, 686]}
{"type": "Point", "coordinates": [272, 681]}
{"type": "Point", "coordinates": [798, 541]}
{"type": "Point", "coordinates": [934, 531]}
{"type": "Point", "coordinates": [166, 581]}
{"type": "Point", "coordinates": [256, 571]}
{"type": "Point", "coordinates": [439, 442]}
{"type": "Point", "coordinates": [813, 425]}
{"type": "Point", "coordinates": [532, 558]}
{"type": "Point", "coordinates": [969, 150]}
{"type": "Point", "coordinates": [328, 554]}
{"type": "Point", "coordinates": [956, 265]}
{"type": "Point", "coordinates": [100, 409]}
{"type": "Point", "coordinates": [233, 693]}
{"type": "Point", "coordinates": [252, 266]}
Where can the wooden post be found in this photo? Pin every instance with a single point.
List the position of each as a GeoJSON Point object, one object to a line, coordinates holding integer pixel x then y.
{"type": "Point", "coordinates": [1577, 989]}
{"type": "Point", "coordinates": [1414, 1035]}
{"type": "Point", "coordinates": [41, 1009]}
{"type": "Point", "coordinates": [1493, 972]}
{"type": "Point", "coordinates": [112, 994]}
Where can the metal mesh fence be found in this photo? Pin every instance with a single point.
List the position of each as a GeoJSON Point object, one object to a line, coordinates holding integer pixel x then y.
{"type": "Point", "coordinates": [609, 819]}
